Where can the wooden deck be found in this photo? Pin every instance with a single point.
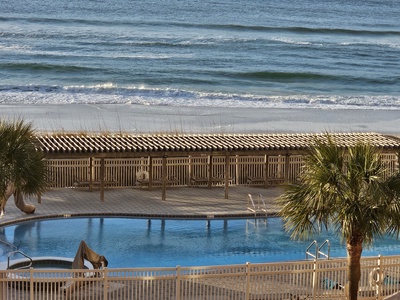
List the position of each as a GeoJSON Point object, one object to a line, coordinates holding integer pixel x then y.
{"type": "Point", "coordinates": [180, 202]}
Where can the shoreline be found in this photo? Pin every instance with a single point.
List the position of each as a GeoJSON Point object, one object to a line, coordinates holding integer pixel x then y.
{"type": "Point", "coordinates": [142, 119]}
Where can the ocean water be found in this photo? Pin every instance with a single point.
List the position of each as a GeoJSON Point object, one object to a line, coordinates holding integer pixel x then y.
{"type": "Point", "coordinates": [225, 53]}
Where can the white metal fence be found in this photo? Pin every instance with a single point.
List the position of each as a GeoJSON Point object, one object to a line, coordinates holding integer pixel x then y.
{"type": "Point", "coordinates": [320, 279]}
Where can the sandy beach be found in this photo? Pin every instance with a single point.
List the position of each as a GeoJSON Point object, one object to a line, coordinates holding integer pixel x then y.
{"type": "Point", "coordinates": [141, 119]}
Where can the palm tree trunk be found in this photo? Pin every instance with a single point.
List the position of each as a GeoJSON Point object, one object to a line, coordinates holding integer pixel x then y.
{"type": "Point", "coordinates": [9, 191]}
{"type": "Point", "coordinates": [18, 200]}
{"type": "Point", "coordinates": [20, 203]}
{"type": "Point", "coordinates": [354, 250]}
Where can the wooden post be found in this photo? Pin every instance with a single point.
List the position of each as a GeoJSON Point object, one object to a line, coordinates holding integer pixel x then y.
{"type": "Point", "coordinates": [190, 173]}
{"type": "Point", "coordinates": [91, 174]}
{"type": "Point", "coordinates": [236, 176]}
{"type": "Point", "coordinates": [102, 175]}
{"type": "Point", "coordinates": [150, 173]}
{"type": "Point", "coordinates": [287, 168]}
{"type": "Point", "coordinates": [210, 172]}
{"type": "Point", "coordinates": [164, 178]}
{"type": "Point", "coordinates": [227, 176]}
{"type": "Point", "coordinates": [266, 167]}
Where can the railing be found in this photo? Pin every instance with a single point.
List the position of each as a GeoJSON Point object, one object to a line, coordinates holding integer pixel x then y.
{"type": "Point", "coordinates": [326, 255]}
{"type": "Point", "coordinates": [310, 254]}
{"type": "Point", "coordinates": [23, 254]}
{"type": "Point", "coordinates": [318, 250]}
{"type": "Point", "coordinates": [16, 251]}
{"type": "Point", "coordinates": [260, 207]}
{"type": "Point", "coordinates": [121, 172]}
{"type": "Point", "coordinates": [12, 246]}
{"type": "Point", "coordinates": [309, 279]}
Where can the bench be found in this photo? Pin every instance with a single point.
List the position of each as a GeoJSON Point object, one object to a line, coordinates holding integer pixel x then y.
{"type": "Point", "coordinates": [95, 183]}
{"type": "Point", "coordinates": [145, 182]}
{"type": "Point", "coordinates": [214, 180]}
{"type": "Point", "coordinates": [255, 180]}
{"type": "Point", "coordinates": [261, 181]}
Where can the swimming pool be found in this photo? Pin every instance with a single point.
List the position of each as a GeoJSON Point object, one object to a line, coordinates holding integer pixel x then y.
{"type": "Point", "coordinates": [129, 242]}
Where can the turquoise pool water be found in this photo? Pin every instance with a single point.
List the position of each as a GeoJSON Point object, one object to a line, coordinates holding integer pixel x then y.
{"type": "Point", "coordinates": [128, 242]}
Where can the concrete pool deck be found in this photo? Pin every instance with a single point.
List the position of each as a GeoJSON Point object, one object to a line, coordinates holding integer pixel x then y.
{"type": "Point", "coordinates": [181, 202]}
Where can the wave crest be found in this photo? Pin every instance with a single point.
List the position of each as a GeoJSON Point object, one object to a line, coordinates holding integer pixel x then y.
{"type": "Point", "coordinates": [110, 93]}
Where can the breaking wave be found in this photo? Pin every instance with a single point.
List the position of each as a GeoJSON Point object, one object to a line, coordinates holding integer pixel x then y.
{"type": "Point", "coordinates": [112, 94]}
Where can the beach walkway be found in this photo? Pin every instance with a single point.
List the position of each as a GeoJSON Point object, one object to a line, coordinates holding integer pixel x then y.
{"type": "Point", "coordinates": [182, 202]}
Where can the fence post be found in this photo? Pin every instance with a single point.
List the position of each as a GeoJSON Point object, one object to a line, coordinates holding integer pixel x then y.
{"type": "Point", "coordinates": [210, 171]}
{"type": "Point", "coordinates": [178, 283]}
{"type": "Point", "coordinates": [164, 178]}
{"type": "Point", "coordinates": [314, 280]}
{"type": "Point", "coordinates": [190, 172]}
{"type": "Point", "coordinates": [102, 175]}
{"type": "Point", "coordinates": [287, 168]}
{"type": "Point", "coordinates": [266, 171]}
{"type": "Point", "coordinates": [105, 283]}
{"type": "Point", "coordinates": [3, 285]}
{"type": "Point", "coordinates": [380, 277]}
{"type": "Point", "coordinates": [31, 283]}
{"type": "Point", "coordinates": [247, 296]}
{"type": "Point", "coordinates": [227, 176]}
{"type": "Point", "coordinates": [91, 174]}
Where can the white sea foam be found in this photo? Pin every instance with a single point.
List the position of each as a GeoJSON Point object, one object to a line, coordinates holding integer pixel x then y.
{"type": "Point", "coordinates": [14, 48]}
{"type": "Point", "coordinates": [110, 93]}
{"type": "Point", "coordinates": [290, 41]}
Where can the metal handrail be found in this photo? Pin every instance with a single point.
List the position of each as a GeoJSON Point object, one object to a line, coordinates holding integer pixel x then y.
{"type": "Point", "coordinates": [256, 208]}
{"type": "Point", "coordinates": [308, 253]}
{"type": "Point", "coordinates": [8, 244]}
{"type": "Point", "coordinates": [262, 207]}
{"type": "Point", "coordinates": [318, 252]}
{"type": "Point", "coordinates": [260, 197]}
{"type": "Point", "coordinates": [327, 242]}
{"type": "Point", "coordinates": [250, 199]}
{"type": "Point", "coordinates": [23, 254]}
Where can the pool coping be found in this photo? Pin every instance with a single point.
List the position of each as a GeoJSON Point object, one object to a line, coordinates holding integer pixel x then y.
{"type": "Point", "coordinates": [145, 216]}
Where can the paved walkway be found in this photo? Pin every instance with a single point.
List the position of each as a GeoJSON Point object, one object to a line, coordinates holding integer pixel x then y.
{"type": "Point", "coordinates": [195, 202]}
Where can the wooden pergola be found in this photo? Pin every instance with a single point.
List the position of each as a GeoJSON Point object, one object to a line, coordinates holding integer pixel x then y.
{"type": "Point", "coordinates": [76, 146]}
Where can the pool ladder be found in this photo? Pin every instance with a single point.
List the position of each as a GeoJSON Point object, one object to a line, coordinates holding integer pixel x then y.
{"type": "Point", "coordinates": [260, 207]}
{"type": "Point", "coordinates": [318, 250]}
{"type": "Point", "coordinates": [15, 252]}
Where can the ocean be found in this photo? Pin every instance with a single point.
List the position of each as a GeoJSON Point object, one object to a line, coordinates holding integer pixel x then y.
{"type": "Point", "coordinates": [209, 53]}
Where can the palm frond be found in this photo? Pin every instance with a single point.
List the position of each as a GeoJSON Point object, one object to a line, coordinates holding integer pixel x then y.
{"type": "Point", "coordinates": [20, 162]}
{"type": "Point", "coordinates": [343, 188]}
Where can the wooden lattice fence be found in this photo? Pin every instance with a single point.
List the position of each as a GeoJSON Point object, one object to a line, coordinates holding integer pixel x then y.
{"type": "Point", "coordinates": [181, 171]}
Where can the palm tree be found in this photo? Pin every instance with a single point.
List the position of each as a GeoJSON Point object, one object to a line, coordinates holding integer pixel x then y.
{"type": "Point", "coordinates": [345, 189]}
{"type": "Point", "coordinates": [22, 168]}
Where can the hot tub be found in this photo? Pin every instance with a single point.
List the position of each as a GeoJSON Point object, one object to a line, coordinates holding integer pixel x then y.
{"type": "Point", "coordinates": [43, 280]}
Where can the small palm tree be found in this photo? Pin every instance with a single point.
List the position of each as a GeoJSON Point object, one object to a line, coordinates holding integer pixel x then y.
{"type": "Point", "coordinates": [22, 168]}
{"type": "Point", "coordinates": [345, 189]}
